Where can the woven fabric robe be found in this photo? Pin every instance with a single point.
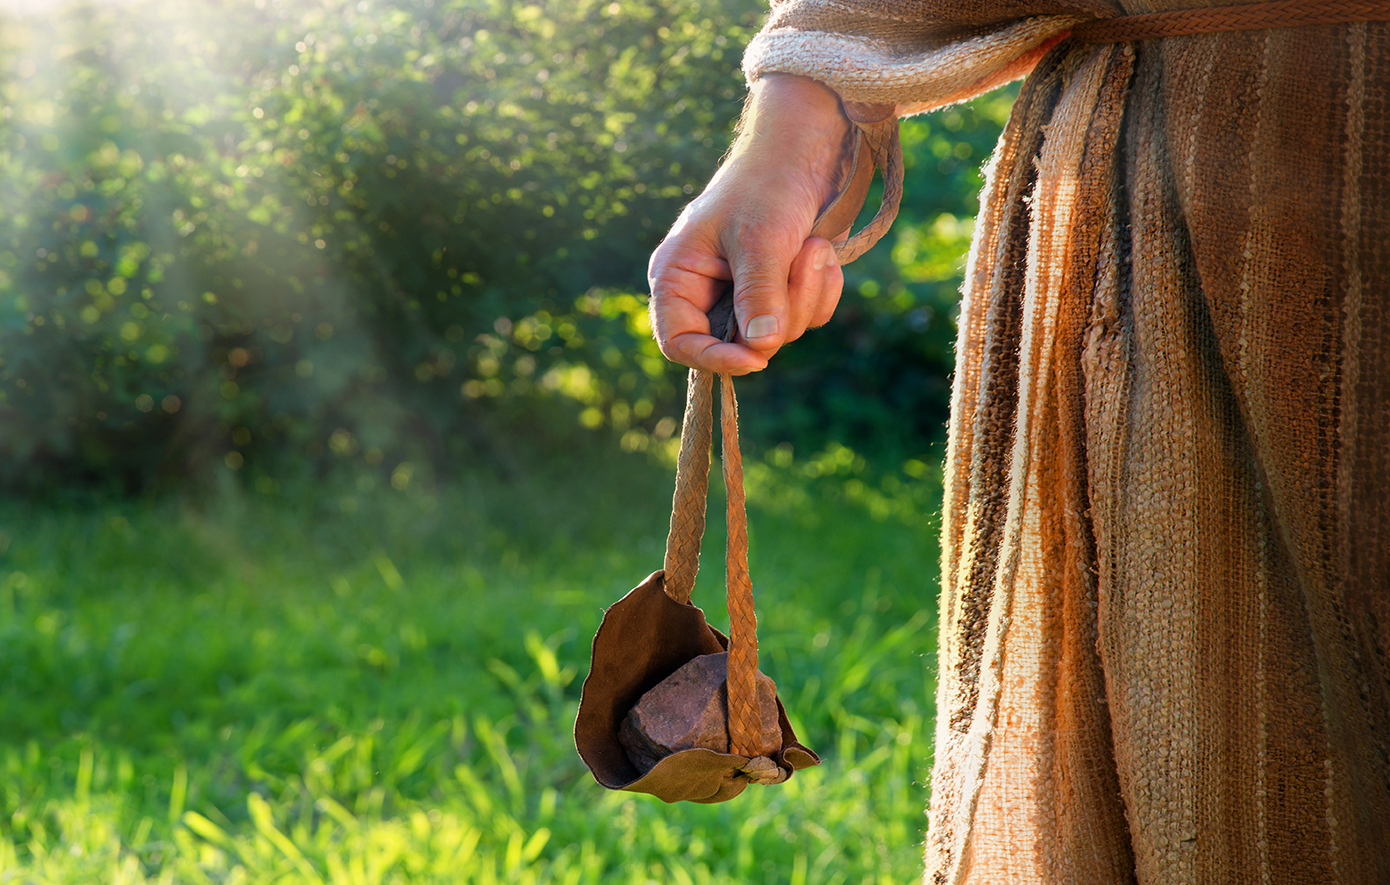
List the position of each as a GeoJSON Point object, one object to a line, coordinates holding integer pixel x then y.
{"type": "Point", "coordinates": [1165, 613]}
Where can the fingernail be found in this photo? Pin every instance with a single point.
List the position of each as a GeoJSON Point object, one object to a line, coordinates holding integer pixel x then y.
{"type": "Point", "coordinates": [823, 257]}
{"type": "Point", "coordinates": [761, 326]}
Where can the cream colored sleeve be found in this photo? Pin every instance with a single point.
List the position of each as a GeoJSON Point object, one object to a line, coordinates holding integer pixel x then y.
{"type": "Point", "coordinates": [915, 55]}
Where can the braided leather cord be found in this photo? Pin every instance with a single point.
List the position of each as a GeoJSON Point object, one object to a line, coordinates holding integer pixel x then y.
{"type": "Point", "coordinates": [692, 467]}
{"type": "Point", "coordinates": [692, 483]}
{"type": "Point", "coordinates": [687, 528]}
{"type": "Point", "coordinates": [744, 721]}
{"type": "Point", "coordinates": [881, 138]}
{"type": "Point", "coordinates": [1215, 19]}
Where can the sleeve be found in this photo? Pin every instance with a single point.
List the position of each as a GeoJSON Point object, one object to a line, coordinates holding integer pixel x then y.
{"type": "Point", "coordinates": [917, 55]}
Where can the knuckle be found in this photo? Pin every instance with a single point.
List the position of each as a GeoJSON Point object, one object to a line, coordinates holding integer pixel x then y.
{"type": "Point", "coordinates": [759, 291]}
{"type": "Point", "coordinates": [661, 256]}
{"type": "Point", "coordinates": [664, 341]}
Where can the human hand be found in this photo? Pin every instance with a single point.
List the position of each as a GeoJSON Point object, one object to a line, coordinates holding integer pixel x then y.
{"type": "Point", "coordinates": [751, 225]}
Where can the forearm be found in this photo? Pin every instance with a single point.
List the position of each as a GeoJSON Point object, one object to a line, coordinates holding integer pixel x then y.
{"type": "Point", "coordinates": [796, 126]}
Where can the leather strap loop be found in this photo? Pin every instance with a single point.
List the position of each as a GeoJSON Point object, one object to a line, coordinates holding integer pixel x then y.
{"type": "Point", "coordinates": [745, 721]}
{"type": "Point", "coordinates": [692, 485]}
{"type": "Point", "coordinates": [692, 466]}
{"type": "Point", "coordinates": [688, 524]}
{"type": "Point", "coordinates": [880, 141]}
{"type": "Point", "coordinates": [876, 145]}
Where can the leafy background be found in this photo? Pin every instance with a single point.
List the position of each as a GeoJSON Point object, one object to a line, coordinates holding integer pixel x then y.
{"type": "Point", "coordinates": [292, 233]}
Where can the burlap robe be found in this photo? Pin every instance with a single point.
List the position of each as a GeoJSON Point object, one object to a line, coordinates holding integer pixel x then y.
{"type": "Point", "coordinates": [1165, 616]}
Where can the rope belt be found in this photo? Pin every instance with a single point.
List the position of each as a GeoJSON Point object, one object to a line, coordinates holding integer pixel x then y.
{"type": "Point", "coordinates": [1246, 17]}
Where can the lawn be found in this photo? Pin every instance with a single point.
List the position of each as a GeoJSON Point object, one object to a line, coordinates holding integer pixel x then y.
{"type": "Point", "coordinates": [335, 680]}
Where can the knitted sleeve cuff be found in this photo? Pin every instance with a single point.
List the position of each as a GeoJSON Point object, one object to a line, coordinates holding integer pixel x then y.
{"type": "Point", "coordinates": [897, 68]}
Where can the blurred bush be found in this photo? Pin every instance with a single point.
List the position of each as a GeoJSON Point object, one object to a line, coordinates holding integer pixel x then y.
{"type": "Point", "coordinates": [300, 232]}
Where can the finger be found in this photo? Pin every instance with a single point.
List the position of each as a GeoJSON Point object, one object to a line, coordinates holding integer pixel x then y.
{"type": "Point", "coordinates": [829, 299]}
{"type": "Point", "coordinates": [709, 353]}
{"type": "Point", "coordinates": [680, 323]}
{"type": "Point", "coordinates": [760, 297]}
{"type": "Point", "coordinates": [813, 287]}
{"type": "Point", "coordinates": [687, 269]}
{"type": "Point", "coordinates": [683, 334]}
{"type": "Point", "coordinates": [832, 285]}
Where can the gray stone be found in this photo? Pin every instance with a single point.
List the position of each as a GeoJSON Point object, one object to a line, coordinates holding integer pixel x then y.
{"type": "Point", "coordinates": [690, 709]}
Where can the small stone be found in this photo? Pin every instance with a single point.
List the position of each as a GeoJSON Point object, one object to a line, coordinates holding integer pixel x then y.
{"type": "Point", "coordinates": [690, 709]}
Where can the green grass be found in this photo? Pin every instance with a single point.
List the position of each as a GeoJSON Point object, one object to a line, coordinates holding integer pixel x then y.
{"type": "Point", "coordinates": [341, 682]}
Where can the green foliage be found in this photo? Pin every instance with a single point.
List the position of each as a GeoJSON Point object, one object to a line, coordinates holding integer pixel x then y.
{"type": "Point", "coordinates": [313, 234]}
{"type": "Point", "coordinates": [353, 683]}
{"type": "Point", "coordinates": [316, 231]}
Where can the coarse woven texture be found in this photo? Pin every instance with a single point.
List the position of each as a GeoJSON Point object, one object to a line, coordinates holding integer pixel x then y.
{"type": "Point", "coordinates": [1256, 16]}
{"type": "Point", "coordinates": [1165, 637]}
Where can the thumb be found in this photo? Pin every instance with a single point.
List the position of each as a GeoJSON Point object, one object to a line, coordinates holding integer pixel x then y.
{"type": "Point", "coordinates": [760, 300]}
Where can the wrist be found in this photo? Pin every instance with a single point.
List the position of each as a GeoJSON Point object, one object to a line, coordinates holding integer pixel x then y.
{"type": "Point", "coordinates": [792, 110]}
{"type": "Point", "coordinates": [796, 123]}
{"type": "Point", "coordinates": [796, 95]}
